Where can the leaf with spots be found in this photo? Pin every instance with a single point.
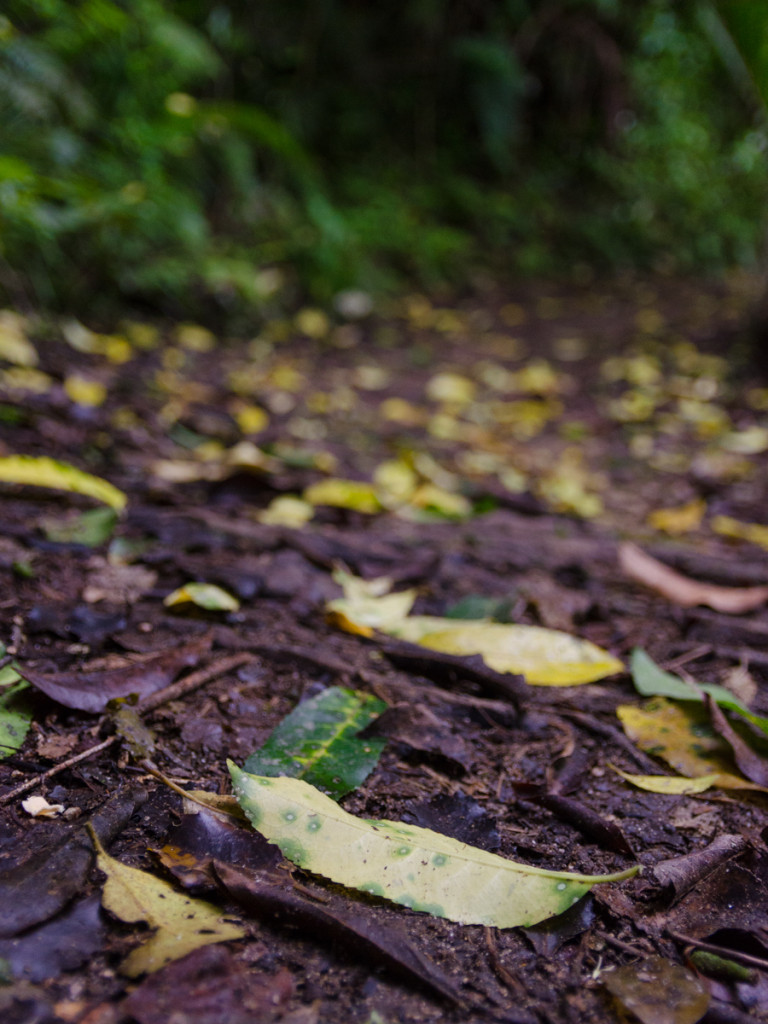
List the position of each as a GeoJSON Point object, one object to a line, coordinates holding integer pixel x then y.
{"type": "Point", "coordinates": [181, 923]}
{"type": "Point", "coordinates": [413, 866]}
{"type": "Point", "coordinates": [318, 742]}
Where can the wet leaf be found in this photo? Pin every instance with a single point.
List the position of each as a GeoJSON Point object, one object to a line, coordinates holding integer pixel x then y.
{"type": "Point", "coordinates": [15, 712]}
{"type": "Point", "coordinates": [658, 991]}
{"type": "Point", "coordinates": [63, 944]}
{"type": "Point", "coordinates": [205, 595]}
{"type": "Point", "coordinates": [684, 591]}
{"type": "Point", "coordinates": [287, 510]}
{"type": "Point", "coordinates": [652, 681]}
{"type": "Point", "coordinates": [318, 742]}
{"type": "Point", "coordinates": [41, 471]}
{"type": "Point", "coordinates": [671, 784]}
{"type": "Point", "coordinates": [267, 893]}
{"type": "Point", "coordinates": [91, 528]}
{"type": "Point", "coordinates": [352, 494]}
{"type": "Point", "coordinates": [210, 987]}
{"type": "Point", "coordinates": [755, 533]}
{"type": "Point", "coordinates": [182, 924]}
{"type": "Point", "coordinates": [92, 691]}
{"type": "Point", "coordinates": [38, 881]}
{"type": "Point", "coordinates": [545, 657]}
{"type": "Point", "coordinates": [415, 867]}
{"type": "Point", "coordinates": [680, 519]}
{"type": "Point", "coordinates": [683, 737]}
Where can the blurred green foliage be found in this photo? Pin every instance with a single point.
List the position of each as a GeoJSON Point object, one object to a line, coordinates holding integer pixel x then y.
{"type": "Point", "coordinates": [200, 157]}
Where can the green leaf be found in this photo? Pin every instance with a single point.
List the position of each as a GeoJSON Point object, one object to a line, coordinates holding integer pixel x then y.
{"type": "Point", "coordinates": [91, 528]}
{"type": "Point", "coordinates": [182, 923]}
{"type": "Point", "coordinates": [652, 681]}
{"type": "Point", "coordinates": [413, 866]}
{"type": "Point", "coordinates": [318, 742]}
{"type": "Point", "coordinates": [15, 711]}
{"type": "Point", "coordinates": [41, 471]}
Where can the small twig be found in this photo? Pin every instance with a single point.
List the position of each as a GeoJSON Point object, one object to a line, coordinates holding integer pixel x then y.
{"type": "Point", "coordinates": [179, 689]}
{"type": "Point", "coordinates": [38, 779]}
{"type": "Point", "coordinates": [723, 951]}
{"type": "Point", "coordinates": [194, 680]}
{"type": "Point", "coordinates": [625, 947]}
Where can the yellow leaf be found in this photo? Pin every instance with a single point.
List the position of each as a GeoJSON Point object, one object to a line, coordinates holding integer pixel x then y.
{"type": "Point", "coordinates": [182, 923]}
{"type": "Point", "coordinates": [395, 481]}
{"type": "Point", "coordinates": [204, 595]}
{"type": "Point", "coordinates": [287, 510]}
{"type": "Point", "coordinates": [351, 494]}
{"type": "Point", "coordinates": [437, 499]}
{"type": "Point", "coordinates": [755, 533]}
{"type": "Point", "coordinates": [397, 410]}
{"type": "Point", "coordinates": [195, 338]}
{"type": "Point", "coordinates": [251, 419]}
{"type": "Point", "coordinates": [41, 471]}
{"type": "Point", "coordinates": [313, 323]}
{"type": "Point", "coordinates": [412, 866]}
{"type": "Point", "coordinates": [682, 736]}
{"type": "Point", "coordinates": [85, 392]}
{"type": "Point", "coordinates": [25, 379]}
{"type": "Point", "coordinates": [680, 519]}
{"type": "Point", "coordinates": [15, 347]}
{"type": "Point", "coordinates": [675, 785]}
{"type": "Point", "coordinates": [450, 388]}
{"type": "Point", "coordinates": [751, 441]}
{"type": "Point", "coordinates": [546, 657]}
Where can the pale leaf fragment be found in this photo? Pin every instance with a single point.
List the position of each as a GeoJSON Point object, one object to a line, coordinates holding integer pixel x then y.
{"type": "Point", "coordinates": [684, 591]}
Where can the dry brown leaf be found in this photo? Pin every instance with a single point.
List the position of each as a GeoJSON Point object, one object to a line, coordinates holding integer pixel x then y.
{"type": "Point", "coordinates": [685, 591]}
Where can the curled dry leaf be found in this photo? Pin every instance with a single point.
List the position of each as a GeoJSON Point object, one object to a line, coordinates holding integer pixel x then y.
{"type": "Point", "coordinates": [684, 591]}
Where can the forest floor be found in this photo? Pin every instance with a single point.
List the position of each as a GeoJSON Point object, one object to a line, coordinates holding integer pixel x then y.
{"type": "Point", "coordinates": [506, 451]}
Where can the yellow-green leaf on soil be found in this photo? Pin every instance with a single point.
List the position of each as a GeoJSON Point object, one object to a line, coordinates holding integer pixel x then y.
{"type": "Point", "coordinates": [204, 595]}
{"type": "Point", "coordinates": [658, 991]}
{"type": "Point", "coordinates": [413, 866]}
{"type": "Point", "coordinates": [546, 657]}
{"type": "Point", "coordinates": [351, 494]}
{"type": "Point", "coordinates": [673, 785]}
{"type": "Point", "coordinates": [182, 923]}
{"type": "Point", "coordinates": [682, 736]}
{"type": "Point", "coordinates": [41, 471]}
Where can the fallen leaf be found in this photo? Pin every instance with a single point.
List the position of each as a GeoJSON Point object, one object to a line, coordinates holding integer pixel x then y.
{"type": "Point", "coordinates": [415, 867]}
{"type": "Point", "coordinates": [749, 761]}
{"type": "Point", "coordinates": [181, 923]}
{"type": "Point", "coordinates": [65, 943]}
{"type": "Point", "coordinates": [41, 471]}
{"type": "Point", "coordinates": [15, 346]}
{"type": "Point", "coordinates": [38, 881]}
{"type": "Point", "coordinates": [755, 533]}
{"type": "Point", "coordinates": [318, 742]}
{"type": "Point", "coordinates": [658, 991]}
{"type": "Point", "coordinates": [684, 591]}
{"type": "Point", "coordinates": [680, 519]}
{"type": "Point", "coordinates": [92, 691]}
{"type": "Point", "coordinates": [91, 528]}
{"type": "Point", "coordinates": [652, 681]}
{"type": "Point", "coordinates": [683, 737]}
{"type": "Point", "coordinates": [352, 494]}
{"type": "Point", "coordinates": [205, 595]}
{"type": "Point", "coordinates": [683, 873]}
{"type": "Point", "coordinates": [545, 657]}
{"type": "Point", "coordinates": [674, 785]}
{"type": "Point", "coordinates": [208, 986]}
{"type": "Point", "coordinates": [286, 510]}
{"type": "Point", "coordinates": [15, 713]}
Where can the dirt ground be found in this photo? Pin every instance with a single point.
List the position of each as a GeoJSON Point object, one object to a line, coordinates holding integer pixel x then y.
{"type": "Point", "coordinates": [546, 429]}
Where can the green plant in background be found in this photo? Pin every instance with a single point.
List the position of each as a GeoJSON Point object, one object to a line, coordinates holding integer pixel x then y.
{"type": "Point", "coordinates": [216, 159]}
